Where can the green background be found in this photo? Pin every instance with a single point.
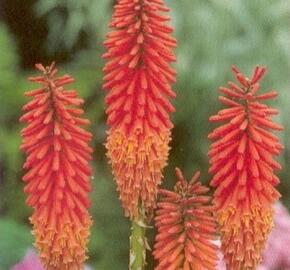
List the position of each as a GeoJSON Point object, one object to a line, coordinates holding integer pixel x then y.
{"type": "Point", "coordinates": [212, 35]}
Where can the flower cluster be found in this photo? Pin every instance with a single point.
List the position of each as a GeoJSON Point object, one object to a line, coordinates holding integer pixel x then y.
{"type": "Point", "coordinates": [243, 167]}
{"type": "Point", "coordinates": [58, 174]}
{"type": "Point", "coordinates": [138, 78]}
{"type": "Point", "coordinates": [186, 227]}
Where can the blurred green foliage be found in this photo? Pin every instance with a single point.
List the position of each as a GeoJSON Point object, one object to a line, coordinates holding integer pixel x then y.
{"type": "Point", "coordinates": [73, 21]}
{"type": "Point", "coordinates": [212, 35]}
{"type": "Point", "coordinates": [15, 238]}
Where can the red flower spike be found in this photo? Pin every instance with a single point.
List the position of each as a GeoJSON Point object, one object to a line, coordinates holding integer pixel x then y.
{"type": "Point", "coordinates": [138, 78]}
{"type": "Point", "coordinates": [186, 227]}
{"type": "Point", "coordinates": [58, 173]}
{"type": "Point", "coordinates": [243, 167]}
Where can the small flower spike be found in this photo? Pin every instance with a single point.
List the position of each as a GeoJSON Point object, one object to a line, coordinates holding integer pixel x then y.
{"type": "Point", "coordinates": [58, 173]}
{"type": "Point", "coordinates": [138, 79]}
{"type": "Point", "coordinates": [186, 227]}
{"type": "Point", "coordinates": [242, 165]}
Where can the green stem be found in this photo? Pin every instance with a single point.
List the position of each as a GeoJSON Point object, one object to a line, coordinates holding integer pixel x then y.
{"type": "Point", "coordinates": [138, 245]}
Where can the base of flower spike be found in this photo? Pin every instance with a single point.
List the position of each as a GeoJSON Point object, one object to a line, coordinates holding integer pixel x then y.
{"type": "Point", "coordinates": [62, 245]}
{"type": "Point", "coordinates": [137, 161]}
{"type": "Point", "coordinates": [244, 235]}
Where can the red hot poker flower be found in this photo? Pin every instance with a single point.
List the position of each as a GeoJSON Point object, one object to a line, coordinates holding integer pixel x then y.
{"type": "Point", "coordinates": [186, 227]}
{"type": "Point", "coordinates": [57, 181]}
{"type": "Point", "coordinates": [243, 167]}
{"type": "Point", "coordinates": [138, 78]}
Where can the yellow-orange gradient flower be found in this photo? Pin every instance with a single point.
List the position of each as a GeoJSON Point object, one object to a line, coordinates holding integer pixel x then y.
{"type": "Point", "coordinates": [243, 167]}
{"type": "Point", "coordinates": [138, 78]}
{"type": "Point", "coordinates": [186, 227]}
{"type": "Point", "coordinates": [57, 181]}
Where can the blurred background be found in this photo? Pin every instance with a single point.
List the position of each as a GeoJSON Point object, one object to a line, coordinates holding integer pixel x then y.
{"type": "Point", "coordinates": [212, 35]}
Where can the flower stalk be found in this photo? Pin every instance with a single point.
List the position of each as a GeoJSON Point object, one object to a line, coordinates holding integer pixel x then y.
{"type": "Point", "coordinates": [138, 245]}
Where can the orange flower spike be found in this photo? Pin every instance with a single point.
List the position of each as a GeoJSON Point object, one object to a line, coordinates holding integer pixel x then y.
{"type": "Point", "coordinates": [243, 167]}
{"type": "Point", "coordinates": [58, 173]}
{"type": "Point", "coordinates": [186, 227]}
{"type": "Point", "coordinates": [138, 79]}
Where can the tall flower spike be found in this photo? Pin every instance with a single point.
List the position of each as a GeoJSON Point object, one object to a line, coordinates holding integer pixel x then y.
{"type": "Point", "coordinates": [138, 78]}
{"type": "Point", "coordinates": [243, 167]}
{"type": "Point", "coordinates": [57, 181]}
{"type": "Point", "coordinates": [186, 227]}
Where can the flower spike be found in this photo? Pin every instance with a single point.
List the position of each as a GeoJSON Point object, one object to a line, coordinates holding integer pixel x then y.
{"type": "Point", "coordinates": [242, 165]}
{"type": "Point", "coordinates": [138, 79]}
{"type": "Point", "coordinates": [186, 227]}
{"type": "Point", "coordinates": [58, 172]}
